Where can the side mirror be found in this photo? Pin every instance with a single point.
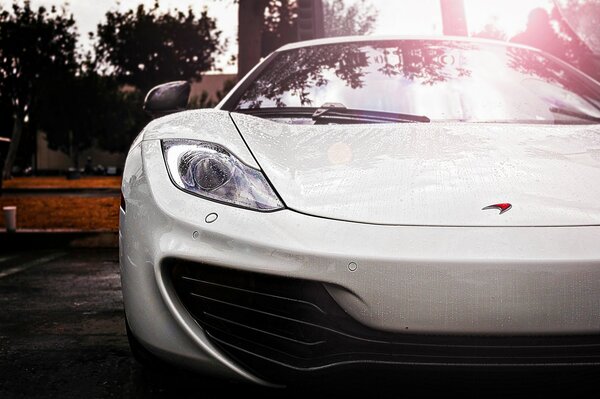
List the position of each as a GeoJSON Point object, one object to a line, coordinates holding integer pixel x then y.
{"type": "Point", "coordinates": [167, 98]}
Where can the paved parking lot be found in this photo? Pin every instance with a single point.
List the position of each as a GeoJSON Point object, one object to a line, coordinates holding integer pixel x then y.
{"type": "Point", "coordinates": [62, 335]}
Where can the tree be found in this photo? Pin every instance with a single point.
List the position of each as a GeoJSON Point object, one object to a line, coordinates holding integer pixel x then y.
{"type": "Point", "coordinates": [89, 110]}
{"type": "Point", "coordinates": [280, 25]}
{"type": "Point", "coordinates": [142, 48]}
{"type": "Point", "coordinates": [492, 31]}
{"type": "Point", "coordinates": [35, 47]}
{"type": "Point", "coordinates": [145, 47]}
{"type": "Point", "coordinates": [265, 25]}
{"type": "Point", "coordinates": [343, 20]}
{"type": "Point", "coordinates": [251, 21]}
{"type": "Point", "coordinates": [577, 22]}
{"type": "Point", "coordinates": [553, 33]}
{"type": "Point", "coordinates": [584, 18]}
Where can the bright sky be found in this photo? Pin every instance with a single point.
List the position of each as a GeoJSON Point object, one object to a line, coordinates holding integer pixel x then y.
{"type": "Point", "coordinates": [403, 17]}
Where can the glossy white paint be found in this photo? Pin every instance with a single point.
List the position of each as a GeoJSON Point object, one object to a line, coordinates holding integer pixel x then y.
{"type": "Point", "coordinates": [433, 174]}
{"type": "Point", "coordinates": [442, 280]}
{"type": "Point", "coordinates": [430, 279]}
{"type": "Point", "coordinates": [156, 318]}
{"type": "Point", "coordinates": [499, 276]}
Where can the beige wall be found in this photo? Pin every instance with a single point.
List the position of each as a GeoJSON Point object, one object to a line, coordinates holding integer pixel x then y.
{"type": "Point", "coordinates": [210, 83]}
{"type": "Point", "coordinates": [48, 159]}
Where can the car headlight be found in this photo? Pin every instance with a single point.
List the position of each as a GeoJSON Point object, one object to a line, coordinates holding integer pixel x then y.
{"type": "Point", "coordinates": [211, 171]}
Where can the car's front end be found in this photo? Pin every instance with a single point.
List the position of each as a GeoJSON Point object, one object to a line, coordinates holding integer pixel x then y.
{"type": "Point", "coordinates": [265, 251]}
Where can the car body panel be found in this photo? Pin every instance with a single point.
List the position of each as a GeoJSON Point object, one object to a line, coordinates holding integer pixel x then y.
{"type": "Point", "coordinates": [408, 251]}
{"type": "Point", "coordinates": [437, 174]}
{"type": "Point", "coordinates": [156, 319]}
{"type": "Point", "coordinates": [428, 279]}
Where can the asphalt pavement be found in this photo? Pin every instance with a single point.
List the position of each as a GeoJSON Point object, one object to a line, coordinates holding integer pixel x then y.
{"type": "Point", "coordinates": [62, 335]}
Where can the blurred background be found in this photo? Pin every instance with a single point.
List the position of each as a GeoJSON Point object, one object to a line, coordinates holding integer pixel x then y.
{"type": "Point", "coordinates": [73, 75]}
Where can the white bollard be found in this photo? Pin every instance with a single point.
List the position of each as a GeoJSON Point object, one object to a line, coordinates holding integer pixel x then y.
{"type": "Point", "coordinates": [10, 218]}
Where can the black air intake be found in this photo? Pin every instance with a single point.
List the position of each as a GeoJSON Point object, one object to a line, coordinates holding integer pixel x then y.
{"type": "Point", "coordinates": [278, 326]}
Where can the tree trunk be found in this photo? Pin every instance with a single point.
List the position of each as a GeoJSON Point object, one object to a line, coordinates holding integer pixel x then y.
{"type": "Point", "coordinates": [454, 18]}
{"type": "Point", "coordinates": [14, 145]}
{"type": "Point", "coordinates": [73, 150]}
{"type": "Point", "coordinates": [251, 19]}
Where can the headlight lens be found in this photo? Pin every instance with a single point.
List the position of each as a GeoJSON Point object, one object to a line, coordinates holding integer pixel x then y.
{"type": "Point", "coordinates": [209, 170]}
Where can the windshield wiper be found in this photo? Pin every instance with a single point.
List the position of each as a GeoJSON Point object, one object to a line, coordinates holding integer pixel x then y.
{"type": "Point", "coordinates": [335, 114]}
{"type": "Point", "coordinates": [347, 115]}
{"type": "Point", "coordinates": [278, 112]}
{"type": "Point", "coordinates": [574, 114]}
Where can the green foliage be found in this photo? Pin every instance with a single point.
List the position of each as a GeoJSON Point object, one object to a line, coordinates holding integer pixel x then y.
{"type": "Point", "coordinates": [6, 118]}
{"type": "Point", "coordinates": [279, 26]}
{"type": "Point", "coordinates": [141, 48]}
{"type": "Point", "coordinates": [36, 45]}
{"type": "Point", "coordinates": [88, 109]}
{"type": "Point", "coordinates": [79, 103]}
{"type": "Point", "coordinates": [144, 47]}
{"type": "Point", "coordinates": [124, 120]}
{"type": "Point", "coordinates": [340, 18]}
{"type": "Point", "coordinates": [584, 18]}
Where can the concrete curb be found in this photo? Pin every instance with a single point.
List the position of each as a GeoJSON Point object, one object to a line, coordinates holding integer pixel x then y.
{"type": "Point", "coordinates": [58, 238]}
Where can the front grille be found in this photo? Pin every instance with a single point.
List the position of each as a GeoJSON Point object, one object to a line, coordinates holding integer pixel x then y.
{"type": "Point", "coordinates": [277, 326]}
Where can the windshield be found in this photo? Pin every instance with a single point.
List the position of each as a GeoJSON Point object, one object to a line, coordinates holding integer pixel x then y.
{"type": "Point", "coordinates": [444, 80]}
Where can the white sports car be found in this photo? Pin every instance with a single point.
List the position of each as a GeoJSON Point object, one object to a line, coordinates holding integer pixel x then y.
{"type": "Point", "coordinates": [369, 201]}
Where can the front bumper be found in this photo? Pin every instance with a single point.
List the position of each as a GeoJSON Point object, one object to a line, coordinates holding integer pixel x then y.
{"type": "Point", "coordinates": [404, 281]}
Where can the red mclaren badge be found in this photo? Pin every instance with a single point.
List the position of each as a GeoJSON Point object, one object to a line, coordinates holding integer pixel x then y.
{"type": "Point", "coordinates": [500, 207]}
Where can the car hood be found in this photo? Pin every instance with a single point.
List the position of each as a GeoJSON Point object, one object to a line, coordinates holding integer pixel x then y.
{"type": "Point", "coordinates": [432, 174]}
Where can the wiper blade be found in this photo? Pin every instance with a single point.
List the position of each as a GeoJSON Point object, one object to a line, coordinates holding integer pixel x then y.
{"type": "Point", "coordinates": [348, 115]}
{"type": "Point", "coordinates": [279, 112]}
{"type": "Point", "coordinates": [574, 114]}
{"type": "Point", "coordinates": [334, 114]}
